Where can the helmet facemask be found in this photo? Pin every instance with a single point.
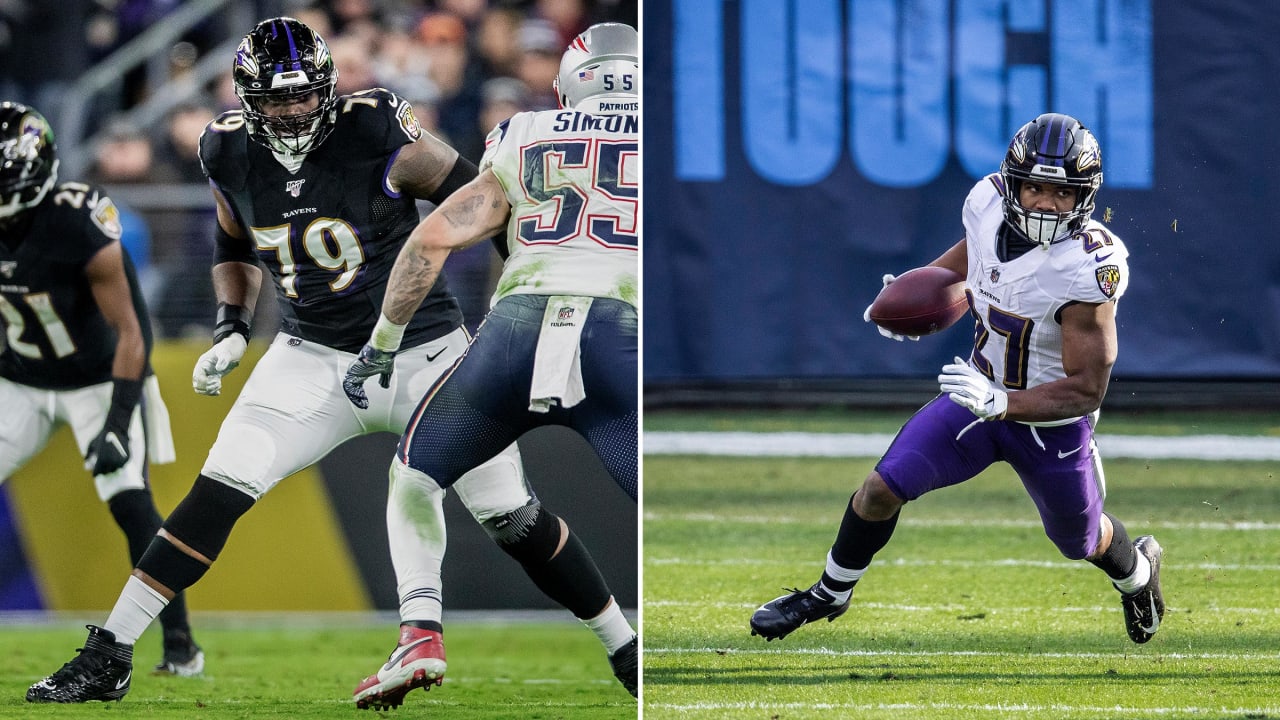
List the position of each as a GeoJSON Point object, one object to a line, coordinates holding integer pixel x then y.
{"type": "Point", "coordinates": [283, 61]}
{"type": "Point", "coordinates": [1052, 150]}
{"type": "Point", "coordinates": [28, 161]}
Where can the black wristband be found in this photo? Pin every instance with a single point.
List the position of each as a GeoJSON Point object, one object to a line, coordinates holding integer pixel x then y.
{"type": "Point", "coordinates": [232, 319]}
{"type": "Point", "coordinates": [125, 395]}
{"type": "Point", "coordinates": [463, 172]}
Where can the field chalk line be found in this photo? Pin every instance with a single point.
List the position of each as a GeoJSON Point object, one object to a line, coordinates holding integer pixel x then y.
{"type": "Point", "coordinates": [805, 444]}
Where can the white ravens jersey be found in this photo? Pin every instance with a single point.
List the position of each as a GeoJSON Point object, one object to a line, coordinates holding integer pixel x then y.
{"type": "Point", "coordinates": [573, 180]}
{"type": "Point", "coordinates": [1018, 339]}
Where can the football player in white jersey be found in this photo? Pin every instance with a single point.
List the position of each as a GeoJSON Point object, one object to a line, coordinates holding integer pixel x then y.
{"type": "Point", "coordinates": [1043, 280]}
{"type": "Point", "coordinates": [559, 344]}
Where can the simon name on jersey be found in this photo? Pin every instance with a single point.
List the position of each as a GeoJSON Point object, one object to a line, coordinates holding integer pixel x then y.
{"type": "Point", "coordinates": [574, 121]}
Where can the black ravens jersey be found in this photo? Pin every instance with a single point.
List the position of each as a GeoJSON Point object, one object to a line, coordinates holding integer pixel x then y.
{"type": "Point", "coordinates": [55, 337]}
{"type": "Point", "coordinates": [329, 232]}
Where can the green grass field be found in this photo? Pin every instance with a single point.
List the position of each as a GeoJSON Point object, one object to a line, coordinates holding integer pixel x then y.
{"type": "Point", "coordinates": [308, 668]}
{"type": "Point", "coordinates": [969, 612]}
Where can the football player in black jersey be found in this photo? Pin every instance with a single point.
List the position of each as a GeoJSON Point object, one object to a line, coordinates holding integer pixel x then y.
{"type": "Point", "coordinates": [322, 190]}
{"type": "Point", "coordinates": [77, 344]}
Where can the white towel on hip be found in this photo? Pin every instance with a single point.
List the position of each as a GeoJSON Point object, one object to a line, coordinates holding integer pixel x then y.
{"type": "Point", "coordinates": [159, 434]}
{"type": "Point", "coordinates": [557, 363]}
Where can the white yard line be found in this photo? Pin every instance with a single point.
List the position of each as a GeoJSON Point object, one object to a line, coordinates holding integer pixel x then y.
{"type": "Point", "coordinates": [994, 563]}
{"type": "Point", "coordinates": [827, 652]}
{"type": "Point", "coordinates": [921, 709]}
{"type": "Point", "coordinates": [656, 516]}
{"type": "Point", "coordinates": [801, 444]}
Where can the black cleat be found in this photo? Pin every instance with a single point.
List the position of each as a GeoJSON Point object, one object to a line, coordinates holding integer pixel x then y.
{"type": "Point", "coordinates": [625, 665]}
{"type": "Point", "coordinates": [101, 671]}
{"type": "Point", "coordinates": [779, 617]}
{"type": "Point", "coordinates": [182, 656]}
{"type": "Point", "coordinates": [1144, 609]}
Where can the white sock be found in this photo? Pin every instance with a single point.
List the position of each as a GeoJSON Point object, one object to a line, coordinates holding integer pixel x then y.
{"type": "Point", "coordinates": [136, 607]}
{"type": "Point", "coordinates": [415, 532]}
{"type": "Point", "coordinates": [1137, 579]}
{"type": "Point", "coordinates": [611, 627]}
{"type": "Point", "coordinates": [842, 574]}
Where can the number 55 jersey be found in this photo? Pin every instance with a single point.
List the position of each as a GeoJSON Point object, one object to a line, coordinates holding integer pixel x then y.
{"type": "Point", "coordinates": [573, 181]}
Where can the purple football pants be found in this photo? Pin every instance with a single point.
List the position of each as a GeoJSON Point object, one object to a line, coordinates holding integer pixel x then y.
{"type": "Point", "coordinates": [1054, 463]}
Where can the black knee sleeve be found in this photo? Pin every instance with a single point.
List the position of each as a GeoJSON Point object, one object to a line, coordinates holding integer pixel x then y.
{"type": "Point", "coordinates": [1121, 556]}
{"type": "Point", "coordinates": [135, 512]}
{"type": "Point", "coordinates": [202, 522]}
{"type": "Point", "coordinates": [171, 567]}
{"type": "Point", "coordinates": [571, 578]}
{"type": "Point", "coordinates": [204, 518]}
{"type": "Point", "coordinates": [527, 534]}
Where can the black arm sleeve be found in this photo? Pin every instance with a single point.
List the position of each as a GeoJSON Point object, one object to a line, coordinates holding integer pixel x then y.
{"type": "Point", "coordinates": [230, 249]}
{"type": "Point", "coordinates": [463, 172]}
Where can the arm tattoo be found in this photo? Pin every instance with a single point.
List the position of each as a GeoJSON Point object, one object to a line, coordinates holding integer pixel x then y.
{"type": "Point", "coordinates": [411, 279]}
{"type": "Point", "coordinates": [464, 213]}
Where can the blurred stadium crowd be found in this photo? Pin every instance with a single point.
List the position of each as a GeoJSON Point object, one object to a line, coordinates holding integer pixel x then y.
{"type": "Point", "coordinates": [128, 86]}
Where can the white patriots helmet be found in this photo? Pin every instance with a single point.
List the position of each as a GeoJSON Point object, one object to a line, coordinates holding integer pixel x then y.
{"type": "Point", "coordinates": [600, 65]}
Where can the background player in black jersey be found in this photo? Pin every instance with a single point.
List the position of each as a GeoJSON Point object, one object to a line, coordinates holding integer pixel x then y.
{"type": "Point", "coordinates": [77, 344]}
{"type": "Point", "coordinates": [321, 190]}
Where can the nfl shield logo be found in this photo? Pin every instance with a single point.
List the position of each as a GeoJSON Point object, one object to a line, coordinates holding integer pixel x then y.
{"type": "Point", "coordinates": [294, 187]}
{"type": "Point", "coordinates": [565, 313]}
{"type": "Point", "coordinates": [995, 275]}
{"type": "Point", "coordinates": [7, 267]}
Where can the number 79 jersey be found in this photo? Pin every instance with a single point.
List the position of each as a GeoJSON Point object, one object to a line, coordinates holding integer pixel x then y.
{"type": "Point", "coordinates": [573, 181]}
{"type": "Point", "coordinates": [1018, 304]}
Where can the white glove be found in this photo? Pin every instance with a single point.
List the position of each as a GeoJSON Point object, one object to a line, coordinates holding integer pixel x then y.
{"type": "Point", "coordinates": [970, 388]}
{"type": "Point", "coordinates": [887, 279]}
{"type": "Point", "coordinates": [216, 362]}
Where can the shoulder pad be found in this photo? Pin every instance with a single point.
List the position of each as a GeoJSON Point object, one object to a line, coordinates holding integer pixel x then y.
{"type": "Point", "coordinates": [224, 150]}
{"type": "Point", "coordinates": [1103, 262]}
{"type": "Point", "coordinates": [84, 220]}
{"type": "Point", "coordinates": [377, 117]}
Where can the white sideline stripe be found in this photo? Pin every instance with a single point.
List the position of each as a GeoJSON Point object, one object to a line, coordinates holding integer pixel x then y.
{"type": "Point", "coordinates": [827, 652]}
{"type": "Point", "coordinates": [916, 708]}
{"type": "Point", "coordinates": [953, 608]}
{"type": "Point", "coordinates": [804, 444]}
{"type": "Point", "coordinates": [1001, 562]}
{"type": "Point", "coordinates": [940, 522]}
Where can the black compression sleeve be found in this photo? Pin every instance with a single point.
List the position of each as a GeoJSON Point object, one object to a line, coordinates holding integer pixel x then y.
{"type": "Point", "coordinates": [125, 394]}
{"type": "Point", "coordinates": [231, 249]}
{"type": "Point", "coordinates": [463, 172]}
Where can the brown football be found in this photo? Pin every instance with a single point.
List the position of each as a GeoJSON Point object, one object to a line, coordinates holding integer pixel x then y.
{"type": "Point", "coordinates": [922, 301]}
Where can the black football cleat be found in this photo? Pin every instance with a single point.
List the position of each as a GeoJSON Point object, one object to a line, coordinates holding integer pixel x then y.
{"type": "Point", "coordinates": [182, 656]}
{"type": "Point", "coordinates": [625, 665]}
{"type": "Point", "coordinates": [779, 617]}
{"type": "Point", "coordinates": [101, 671]}
{"type": "Point", "coordinates": [1144, 609]}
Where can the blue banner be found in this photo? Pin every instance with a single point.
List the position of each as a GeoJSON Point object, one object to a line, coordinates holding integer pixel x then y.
{"type": "Point", "coordinates": [796, 150]}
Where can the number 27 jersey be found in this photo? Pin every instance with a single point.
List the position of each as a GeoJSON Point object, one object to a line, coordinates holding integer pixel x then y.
{"type": "Point", "coordinates": [1018, 337]}
{"type": "Point", "coordinates": [573, 181]}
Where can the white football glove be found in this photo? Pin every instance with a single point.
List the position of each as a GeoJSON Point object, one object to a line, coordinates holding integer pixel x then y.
{"type": "Point", "coordinates": [866, 315]}
{"type": "Point", "coordinates": [970, 388]}
{"type": "Point", "coordinates": [217, 361]}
